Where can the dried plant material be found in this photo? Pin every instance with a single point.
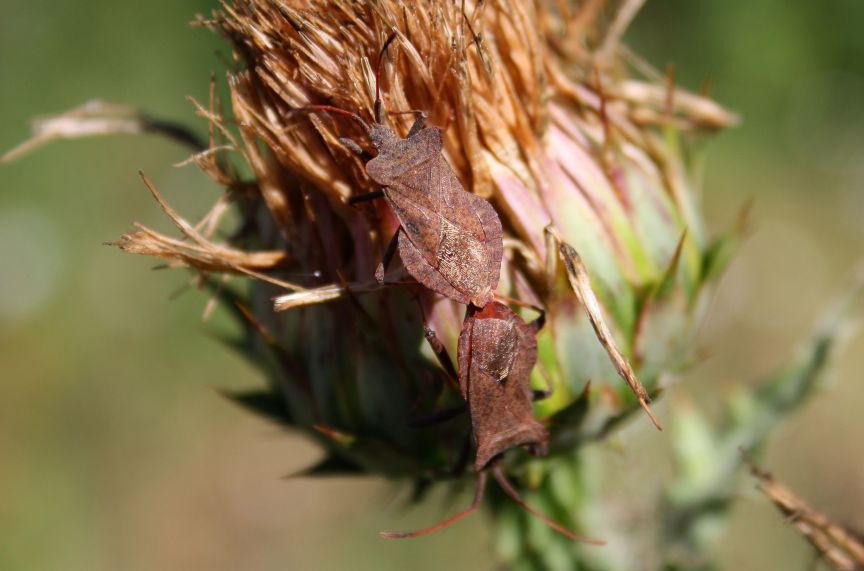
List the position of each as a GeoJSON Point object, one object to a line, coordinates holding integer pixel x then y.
{"type": "Point", "coordinates": [99, 118]}
{"type": "Point", "coordinates": [324, 294]}
{"type": "Point", "coordinates": [842, 548]}
{"type": "Point", "coordinates": [707, 449]}
{"type": "Point", "coordinates": [199, 249]}
{"type": "Point", "coordinates": [656, 104]}
{"type": "Point", "coordinates": [581, 284]}
{"type": "Point", "coordinates": [208, 257]}
{"type": "Point", "coordinates": [623, 17]}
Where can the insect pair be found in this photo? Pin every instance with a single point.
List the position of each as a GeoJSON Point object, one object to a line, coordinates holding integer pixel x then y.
{"type": "Point", "coordinates": [451, 242]}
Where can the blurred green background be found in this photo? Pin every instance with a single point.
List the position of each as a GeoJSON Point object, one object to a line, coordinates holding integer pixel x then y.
{"type": "Point", "coordinates": [116, 450]}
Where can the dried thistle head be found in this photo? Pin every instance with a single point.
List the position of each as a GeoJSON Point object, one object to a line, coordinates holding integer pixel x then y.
{"type": "Point", "coordinates": [544, 113]}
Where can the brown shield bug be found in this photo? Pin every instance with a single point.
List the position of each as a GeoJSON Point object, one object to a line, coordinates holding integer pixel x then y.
{"type": "Point", "coordinates": [497, 352]}
{"type": "Point", "coordinates": [449, 240]}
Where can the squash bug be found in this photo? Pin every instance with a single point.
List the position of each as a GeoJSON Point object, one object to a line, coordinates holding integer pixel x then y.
{"type": "Point", "coordinates": [449, 239]}
{"type": "Point", "coordinates": [496, 353]}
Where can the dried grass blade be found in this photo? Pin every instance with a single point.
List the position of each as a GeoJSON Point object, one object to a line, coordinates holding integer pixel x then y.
{"type": "Point", "coordinates": [577, 275]}
{"type": "Point", "coordinates": [323, 294]}
{"type": "Point", "coordinates": [99, 118]}
{"type": "Point", "coordinates": [840, 547]}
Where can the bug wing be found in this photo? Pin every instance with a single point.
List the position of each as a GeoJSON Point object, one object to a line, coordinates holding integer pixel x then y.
{"type": "Point", "coordinates": [458, 234]}
{"type": "Point", "coordinates": [470, 226]}
{"type": "Point", "coordinates": [417, 209]}
{"type": "Point", "coordinates": [424, 272]}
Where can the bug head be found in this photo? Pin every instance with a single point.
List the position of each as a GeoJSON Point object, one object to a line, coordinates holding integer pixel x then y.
{"type": "Point", "coordinates": [381, 136]}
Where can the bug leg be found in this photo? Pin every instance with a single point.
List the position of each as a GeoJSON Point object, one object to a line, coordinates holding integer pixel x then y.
{"type": "Point", "coordinates": [441, 353]}
{"type": "Point", "coordinates": [537, 394]}
{"type": "Point", "coordinates": [388, 255]}
{"type": "Point", "coordinates": [450, 370]}
{"type": "Point", "coordinates": [366, 196]}
{"type": "Point", "coordinates": [452, 377]}
{"type": "Point", "coordinates": [478, 498]}
{"type": "Point", "coordinates": [538, 323]}
{"type": "Point", "coordinates": [514, 494]}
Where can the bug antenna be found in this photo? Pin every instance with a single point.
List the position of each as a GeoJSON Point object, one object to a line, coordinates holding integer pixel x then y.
{"type": "Point", "coordinates": [478, 498]}
{"type": "Point", "coordinates": [381, 55]}
{"type": "Point", "coordinates": [331, 109]}
{"type": "Point", "coordinates": [511, 491]}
